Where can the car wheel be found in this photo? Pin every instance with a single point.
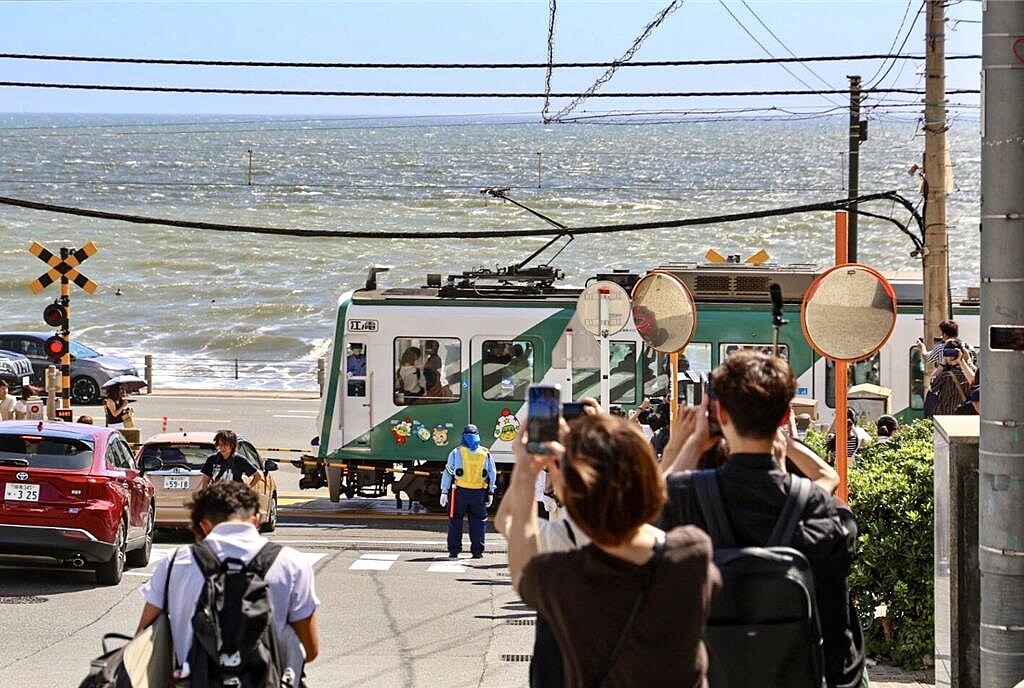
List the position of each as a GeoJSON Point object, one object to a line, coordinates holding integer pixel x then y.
{"type": "Point", "coordinates": [111, 571]}
{"type": "Point", "coordinates": [85, 390]}
{"type": "Point", "coordinates": [270, 525]}
{"type": "Point", "coordinates": [140, 556]}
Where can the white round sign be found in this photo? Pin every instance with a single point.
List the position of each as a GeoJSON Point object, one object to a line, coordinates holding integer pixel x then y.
{"type": "Point", "coordinates": [588, 308]}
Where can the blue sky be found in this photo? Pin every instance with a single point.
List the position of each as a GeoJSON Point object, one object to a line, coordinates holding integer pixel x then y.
{"type": "Point", "coordinates": [481, 31]}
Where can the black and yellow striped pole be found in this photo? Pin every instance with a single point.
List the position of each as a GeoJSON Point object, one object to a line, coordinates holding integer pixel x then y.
{"type": "Point", "coordinates": [65, 334]}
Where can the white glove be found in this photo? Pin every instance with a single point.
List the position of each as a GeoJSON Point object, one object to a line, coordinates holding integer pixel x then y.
{"type": "Point", "coordinates": [444, 500]}
{"type": "Point", "coordinates": [490, 500]}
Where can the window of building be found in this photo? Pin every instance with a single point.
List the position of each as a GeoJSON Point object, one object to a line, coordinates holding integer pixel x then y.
{"type": "Point", "coordinates": [868, 370]}
{"type": "Point", "coordinates": [507, 369]}
{"type": "Point", "coordinates": [427, 371]}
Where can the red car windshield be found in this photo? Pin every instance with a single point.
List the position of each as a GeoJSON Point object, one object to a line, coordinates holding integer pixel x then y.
{"type": "Point", "coordinates": [40, 451]}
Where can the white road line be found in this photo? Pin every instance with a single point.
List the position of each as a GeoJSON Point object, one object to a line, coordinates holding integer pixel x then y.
{"type": "Point", "coordinates": [291, 415]}
{"type": "Point", "coordinates": [370, 565]}
{"type": "Point", "coordinates": [446, 565]}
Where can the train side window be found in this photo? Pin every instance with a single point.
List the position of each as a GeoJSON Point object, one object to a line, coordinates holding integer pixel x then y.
{"type": "Point", "coordinates": [586, 381]}
{"type": "Point", "coordinates": [916, 378]}
{"type": "Point", "coordinates": [507, 369]}
{"type": "Point", "coordinates": [695, 360]}
{"type": "Point", "coordinates": [726, 350]}
{"type": "Point", "coordinates": [355, 369]}
{"type": "Point", "coordinates": [427, 371]}
{"type": "Point", "coordinates": [868, 370]}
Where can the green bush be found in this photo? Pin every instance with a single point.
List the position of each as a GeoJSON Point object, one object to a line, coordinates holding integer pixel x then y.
{"type": "Point", "coordinates": [891, 495]}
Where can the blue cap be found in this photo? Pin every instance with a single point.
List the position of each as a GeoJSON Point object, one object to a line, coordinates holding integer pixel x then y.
{"type": "Point", "coordinates": [470, 430]}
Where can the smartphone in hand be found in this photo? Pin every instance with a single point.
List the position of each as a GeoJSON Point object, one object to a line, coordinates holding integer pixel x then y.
{"type": "Point", "coordinates": [571, 410]}
{"type": "Point", "coordinates": [543, 411]}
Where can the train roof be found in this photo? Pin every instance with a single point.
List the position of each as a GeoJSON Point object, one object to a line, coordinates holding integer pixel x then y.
{"type": "Point", "coordinates": [709, 283]}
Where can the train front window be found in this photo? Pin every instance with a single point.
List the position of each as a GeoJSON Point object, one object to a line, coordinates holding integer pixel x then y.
{"type": "Point", "coordinates": [866, 371]}
{"type": "Point", "coordinates": [427, 371]}
{"type": "Point", "coordinates": [586, 379]}
{"type": "Point", "coordinates": [507, 369]}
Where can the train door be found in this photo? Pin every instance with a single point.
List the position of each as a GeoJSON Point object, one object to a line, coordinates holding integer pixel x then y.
{"type": "Point", "coordinates": [357, 404]}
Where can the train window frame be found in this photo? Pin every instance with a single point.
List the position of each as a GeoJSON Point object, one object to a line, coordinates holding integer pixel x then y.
{"type": "Point", "coordinates": [830, 376]}
{"type": "Point", "coordinates": [450, 381]}
{"type": "Point", "coordinates": [767, 348]}
{"type": "Point", "coordinates": [520, 378]}
{"type": "Point", "coordinates": [655, 382]}
{"type": "Point", "coordinates": [629, 398]}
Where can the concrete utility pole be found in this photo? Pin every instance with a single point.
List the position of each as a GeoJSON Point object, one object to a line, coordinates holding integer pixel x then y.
{"type": "Point", "coordinates": [858, 133]}
{"type": "Point", "coordinates": [1001, 445]}
{"type": "Point", "coordinates": [936, 243]}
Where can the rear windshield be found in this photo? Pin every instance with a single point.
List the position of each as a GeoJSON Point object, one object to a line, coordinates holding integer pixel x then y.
{"type": "Point", "coordinates": [34, 451]}
{"type": "Point", "coordinates": [179, 455]}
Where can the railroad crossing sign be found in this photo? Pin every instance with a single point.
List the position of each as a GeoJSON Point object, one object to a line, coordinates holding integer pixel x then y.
{"type": "Point", "coordinates": [62, 267]}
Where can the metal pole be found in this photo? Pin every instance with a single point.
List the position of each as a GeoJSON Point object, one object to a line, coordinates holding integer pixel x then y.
{"type": "Point", "coordinates": [936, 257]}
{"type": "Point", "coordinates": [1001, 446]}
{"type": "Point", "coordinates": [606, 386]}
{"type": "Point", "coordinates": [840, 367]}
{"type": "Point", "coordinates": [539, 178]}
{"type": "Point", "coordinates": [149, 373]}
{"type": "Point", "coordinates": [65, 360]}
{"type": "Point", "coordinates": [250, 165]}
{"type": "Point", "coordinates": [854, 164]}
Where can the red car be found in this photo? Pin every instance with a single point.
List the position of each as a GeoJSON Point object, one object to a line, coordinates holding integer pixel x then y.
{"type": "Point", "coordinates": [74, 493]}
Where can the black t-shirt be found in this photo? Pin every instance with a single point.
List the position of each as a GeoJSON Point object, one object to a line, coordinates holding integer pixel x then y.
{"type": "Point", "coordinates": [754, 489]}
{"type": "Point", "coordinates": [216, 468]}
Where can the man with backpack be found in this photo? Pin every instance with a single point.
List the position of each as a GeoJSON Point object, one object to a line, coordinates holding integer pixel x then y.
{"type": "Point", "coordinates": [218, 639]}
{"type": "Point", "coordinates": [754, 503]}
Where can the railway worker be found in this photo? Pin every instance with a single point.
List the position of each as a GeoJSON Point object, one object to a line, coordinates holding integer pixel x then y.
{"type": "Point", "coordinates": [355, 362]}
{"type": "Point", "coordinates": [225, 464]}
{"type": "Point", "coordinates": [472, 470]}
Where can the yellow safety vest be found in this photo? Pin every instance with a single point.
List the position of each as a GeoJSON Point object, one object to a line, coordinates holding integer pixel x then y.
{"type": "Point", "coordinates": [473, 476]}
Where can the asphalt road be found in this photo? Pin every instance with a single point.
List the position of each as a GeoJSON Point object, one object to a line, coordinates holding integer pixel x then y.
{"type": "Point", "coordinates": [395, 612]}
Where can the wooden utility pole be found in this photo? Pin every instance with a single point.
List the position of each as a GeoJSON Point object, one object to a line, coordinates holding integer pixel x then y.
{"type": "Point", "coordinates": [936, 243]}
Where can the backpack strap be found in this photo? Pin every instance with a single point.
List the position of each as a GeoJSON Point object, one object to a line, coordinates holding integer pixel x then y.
{"type": "Point", "coordinates": [205, 558]}
{"type": "Point", "coordinates": [569, 532]}
{"type": "Point", "coordinates": [796, 500]}
{"type": "Point", "coordinates": [264, 559]}
{"type": "Point", "coordinates": [709, 500]}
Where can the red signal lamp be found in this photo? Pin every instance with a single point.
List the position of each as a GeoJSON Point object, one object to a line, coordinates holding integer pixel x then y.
{"type": "Point", "coordinates": [56, 347]}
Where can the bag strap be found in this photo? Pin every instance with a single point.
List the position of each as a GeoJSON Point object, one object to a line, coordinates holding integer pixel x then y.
{"type": "Point", "coordinates": [796, 500]}
{"type": "Point", "coordinates": [167, 581]}
{"type": "Point", "coordinates": [569, 532]}
{"type": "Point", "coordinates": [264, 559]}
{"type": "Point", "coordinates": [709, 501]}
{"type": "Point", "coordinates": [659, 549]}
{"type": "Point", "coordinates": [205, 559]}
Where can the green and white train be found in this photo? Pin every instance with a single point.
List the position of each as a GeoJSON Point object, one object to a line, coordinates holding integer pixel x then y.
{"type": "Point", "coordinates": [464, 350]}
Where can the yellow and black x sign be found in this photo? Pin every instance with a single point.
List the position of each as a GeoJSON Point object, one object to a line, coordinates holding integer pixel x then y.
{"type": "Point", "coordinates": [64, 267]}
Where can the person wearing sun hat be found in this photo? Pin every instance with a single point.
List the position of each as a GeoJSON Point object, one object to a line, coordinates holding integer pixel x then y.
{"type": "Point", "coordinates": [467, 489]}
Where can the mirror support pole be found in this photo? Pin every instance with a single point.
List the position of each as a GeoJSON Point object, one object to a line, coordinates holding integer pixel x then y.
{"type": "Point", "coordinates": [841, 369]}
{"type": "Point", "coordinates": [673, 387]}
{"type": "Point", "coordinates": [567, 387]}
{"type": "Point", "coordinates": [606, 387]}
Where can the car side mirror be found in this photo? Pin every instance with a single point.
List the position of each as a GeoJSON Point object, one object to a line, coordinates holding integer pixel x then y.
{"type": "Point", "coordinates": [270, 465]}
{"type": "Point", "coordinates": [151, 463]}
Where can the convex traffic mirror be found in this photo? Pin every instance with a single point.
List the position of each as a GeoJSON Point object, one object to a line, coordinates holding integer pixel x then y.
{"type": "Point", "coordinates": [664, 312]}
{"type": "Point", "coordinates": [848, 312]}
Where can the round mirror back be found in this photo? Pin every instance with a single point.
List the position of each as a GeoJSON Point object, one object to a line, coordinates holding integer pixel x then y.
{"type": "Point", "coordinates": [848, 312]}
{"type": "Point", "coordinates": [664, 312]}
{"type": "Point", "coordinates": [588, 307]}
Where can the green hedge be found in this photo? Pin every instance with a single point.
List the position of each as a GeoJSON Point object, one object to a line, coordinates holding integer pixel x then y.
{"type": "Point", "coordinates": [891, 495]}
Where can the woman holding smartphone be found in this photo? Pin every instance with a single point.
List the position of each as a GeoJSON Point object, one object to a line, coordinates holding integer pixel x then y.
{"type": "Point", "coordinates": [605, 473]}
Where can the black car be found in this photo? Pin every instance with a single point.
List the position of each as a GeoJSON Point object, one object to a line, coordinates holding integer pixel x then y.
{"type": "Point", "coordinates": [89, 368]}
{"type": "Point", "coordinates": [15, 370]}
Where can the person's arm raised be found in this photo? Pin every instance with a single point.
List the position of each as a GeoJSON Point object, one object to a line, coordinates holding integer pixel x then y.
{"type": "Point", "coordinates": [692, 435]}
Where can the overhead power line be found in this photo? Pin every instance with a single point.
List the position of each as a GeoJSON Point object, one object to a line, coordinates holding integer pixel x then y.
{"type": "Point", "coordinates": [448, 94]}
{"type": "Point", "coordinates": [468, 65]}
{"type": "Point", "coordinates": [839, 204]}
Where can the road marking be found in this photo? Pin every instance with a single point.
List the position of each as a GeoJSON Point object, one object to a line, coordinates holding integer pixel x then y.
{"type": "Point", "coordinates": [159, 553]}
{"type": "Point", "coordinates": [172, 421]}
{"type": "Point", "coordinates": [293, 501]}
{"type": "Point", "coordinates": [374, 561]}
{"type": "Point", "coordinates": [446, 565]}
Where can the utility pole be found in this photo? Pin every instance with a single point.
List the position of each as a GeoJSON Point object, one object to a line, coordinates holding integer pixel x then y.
{"type": "Point", "coordinates": [936, 244]}
{"type": "Point", "coordinates": [858, 133]}
{"type": "Point", "coordinates": [1001, 448]}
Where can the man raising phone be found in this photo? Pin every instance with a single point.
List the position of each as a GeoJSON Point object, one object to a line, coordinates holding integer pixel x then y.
{"type": "Point", "coordinates": [471, 469]}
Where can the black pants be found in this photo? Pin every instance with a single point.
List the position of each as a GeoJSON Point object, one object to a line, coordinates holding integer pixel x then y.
{"type": "Point", "coordinates": [546, 665]}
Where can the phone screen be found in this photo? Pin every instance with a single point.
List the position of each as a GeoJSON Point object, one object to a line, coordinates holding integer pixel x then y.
{"type": "Point", "coordinates": [572, 410]}
{"type": "Point", "coordinates": [545, 405]}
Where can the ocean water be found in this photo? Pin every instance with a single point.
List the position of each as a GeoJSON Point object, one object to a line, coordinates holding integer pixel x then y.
{"type": "Point", "coordinates": [198, 299]}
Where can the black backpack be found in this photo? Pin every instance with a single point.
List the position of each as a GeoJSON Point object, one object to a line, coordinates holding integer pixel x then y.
{"type": "Point", "coordinates": [235, 636]}
{"type": "Point", "coordinates": [763, 629]}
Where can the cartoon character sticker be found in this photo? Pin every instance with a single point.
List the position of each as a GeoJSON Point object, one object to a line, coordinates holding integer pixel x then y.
{"type": "Point", "coordinates": [440, 434]}
{"type": "Point", "coordinates": [507, 426]}
{"type": "Point", "coordinates": [401, 430]}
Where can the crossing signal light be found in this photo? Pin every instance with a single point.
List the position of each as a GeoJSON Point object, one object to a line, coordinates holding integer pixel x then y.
{"type": "Point", "coordinates": [56, 315]}
{"type": "Point", "coordinates": [56, 347]}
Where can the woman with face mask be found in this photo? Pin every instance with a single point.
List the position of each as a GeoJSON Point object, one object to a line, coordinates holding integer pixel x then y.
{"type": "Point", "coordinates": [467, 489]}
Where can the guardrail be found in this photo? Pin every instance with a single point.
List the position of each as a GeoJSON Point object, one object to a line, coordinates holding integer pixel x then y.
{"type": "Point", "coordinates": [187, 368]}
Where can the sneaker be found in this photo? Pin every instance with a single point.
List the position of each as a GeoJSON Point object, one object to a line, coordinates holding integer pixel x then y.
{"type": "Point", "coordinates": [478, 555]}
{"type": "Point", "coordinates": [453, 555]}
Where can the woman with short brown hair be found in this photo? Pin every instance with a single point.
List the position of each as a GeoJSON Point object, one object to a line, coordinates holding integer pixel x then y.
{"type": "Point", "coordinates": [628, 609]}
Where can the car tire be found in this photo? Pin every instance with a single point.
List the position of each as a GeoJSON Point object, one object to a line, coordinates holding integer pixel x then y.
{"type": "Point", "coordinates": [85, 390]}
{"type": "Point", "coordinates": [140, 556]}
{"type": "Point", "coordinates": [111, 571]}
{"type": "Point", "coordinates": [270, 525]}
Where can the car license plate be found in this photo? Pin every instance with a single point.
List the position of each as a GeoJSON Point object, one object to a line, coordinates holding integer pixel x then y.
{"type": "Point", "coordinates": [176, 482]}
{"type": "Point", "coordinates": [21, 492]}
{"type": "Point", "coordinates": [24, 380]}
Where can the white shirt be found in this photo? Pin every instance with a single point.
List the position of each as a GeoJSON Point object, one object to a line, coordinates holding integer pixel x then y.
{"type": "Point", "coordinates": [553, 535]}
{"type": "Point", "coordinates": [7, 405]}
{"type": "Point", "coordinates": [290, 580]}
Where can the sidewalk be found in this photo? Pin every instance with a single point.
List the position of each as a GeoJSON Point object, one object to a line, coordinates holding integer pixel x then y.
{"type": "Point", "coordinates": [883, 676]}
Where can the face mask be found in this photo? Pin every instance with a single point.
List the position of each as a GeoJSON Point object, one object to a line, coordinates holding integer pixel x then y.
{"type": "Point", "coordinates": [471, 441]}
